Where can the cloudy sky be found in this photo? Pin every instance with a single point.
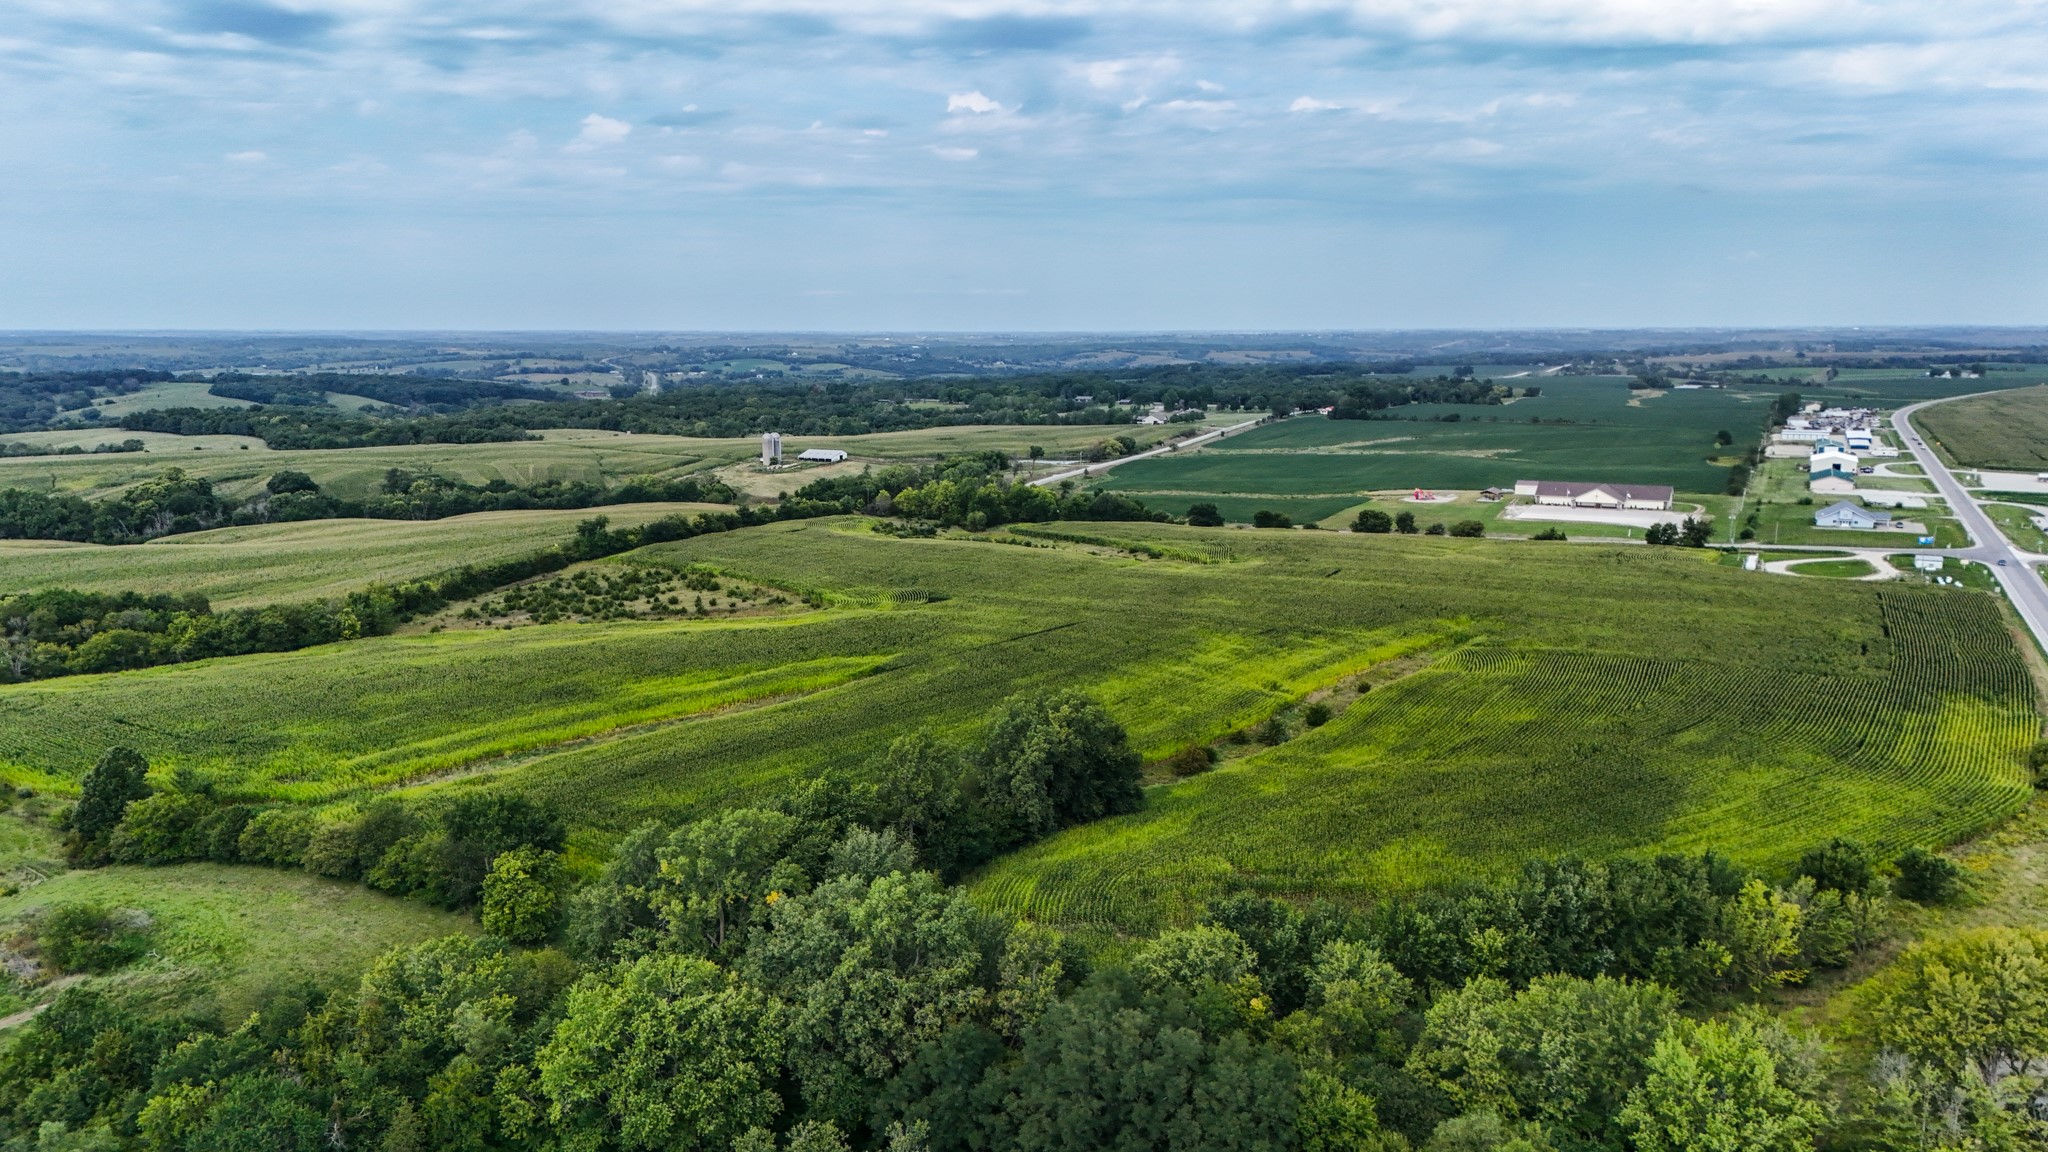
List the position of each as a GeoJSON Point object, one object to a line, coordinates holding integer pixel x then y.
{"type": "Point", "coordinates": [1021, 164]}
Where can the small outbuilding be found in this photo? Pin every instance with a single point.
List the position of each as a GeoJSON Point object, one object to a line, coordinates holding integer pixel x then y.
{"type": "Point", "coordinates": [1929, 563]}
{"type": "Point", "coordinates": [1842, 514]}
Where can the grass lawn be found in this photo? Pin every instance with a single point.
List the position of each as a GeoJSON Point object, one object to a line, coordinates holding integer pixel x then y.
{"type": "Point", "coordinates": [267, 563]}
{"type": "Point", "coordinates": [226, 937]}
{"type": "Point", "coordinates": [1851, 569]}
{"type": "Point", "coordinates": [1573, 698]}
{"type": "Point", "coordinates": [2018, 526]}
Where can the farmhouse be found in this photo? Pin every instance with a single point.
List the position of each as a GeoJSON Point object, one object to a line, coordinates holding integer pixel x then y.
{"type": "Point", "coordinates": [1567, 494]}
{"type": "Point", "coordinates": [1842, 514]}
{"type": "Point", "coordinates": [822, 455]}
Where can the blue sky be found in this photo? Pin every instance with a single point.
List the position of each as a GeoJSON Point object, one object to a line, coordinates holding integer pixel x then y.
{"type": "Point", "coordinates": [1056, 164]}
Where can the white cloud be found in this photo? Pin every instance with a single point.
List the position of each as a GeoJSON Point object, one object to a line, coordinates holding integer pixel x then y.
{"type": "Point", "coordinates": [944, 153]}
{"type": "Point", "coordinates": [250, 157]}
{"type": "Point", "coordinates": [1311, 104]}
{"type": "Point", "coordinates": [599, 131]}
{"type": "Point", "coordinates": [973, 102]}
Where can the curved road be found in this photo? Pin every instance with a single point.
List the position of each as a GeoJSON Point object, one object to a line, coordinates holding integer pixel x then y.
{"type": "Point", "coordinates": [2014, 568]}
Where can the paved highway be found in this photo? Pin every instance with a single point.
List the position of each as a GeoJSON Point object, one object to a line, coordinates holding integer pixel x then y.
{"type": "Point", "coordinates": [2014, 568]}
{"type": "Point", "coordinates": [1174, 446]}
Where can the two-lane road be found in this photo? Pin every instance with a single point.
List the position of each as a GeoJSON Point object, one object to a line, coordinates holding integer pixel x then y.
{"type": "Point", "coordinates": [2013, 567]}
{"type": "Point", "coordinates": [1169, 446]}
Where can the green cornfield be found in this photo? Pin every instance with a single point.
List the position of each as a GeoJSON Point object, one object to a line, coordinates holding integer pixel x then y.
{"type": "Point", "coordinates": [1584, 698]}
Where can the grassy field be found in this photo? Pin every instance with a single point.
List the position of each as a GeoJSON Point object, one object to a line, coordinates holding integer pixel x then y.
{"type": "Point", "coordinates": [240, 465]}
{"type": "Point", "coordinates": [267, 563]}
{"type": "Point", "coordinates": [224, 938]}
{"type": "Point", "coordinates": [2018, 525]}
{"type": "Point", "coordinates": [2007, 430]}
{"type": "Point", "coordinates": [1593, 428]}
{"type": "Point", "coordinates": [1574, 698]}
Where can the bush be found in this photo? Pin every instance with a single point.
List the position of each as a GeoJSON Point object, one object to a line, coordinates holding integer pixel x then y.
{"type": "Point", "coordinates": [1549, 534]}
{"type": "Point", "coordinates": [1839, 865]}
{"type": "Point", "coordinates": [277, 837]}
{"type": "Point", "coordinates": [1433, 530]}
{"type": "Point", "coordinates": [1468, 529]}
{"type": "Point", "coordinates": [1928, 877]}
{"type": "Point", "coordinates": [167, 828]}
{"type": "Point", "coordinates": [1205, 516]}
{"type": "Point", "coordinates": [1373, 520]}
{"type": "Point", "coordinates": [1191, 761]}
{"type": "Point", "coordinates": [1316, 715]}
{"type": "Point", "coordinates": [89, 937]}
{"type": "Point", "coordinates": [1265, 518]}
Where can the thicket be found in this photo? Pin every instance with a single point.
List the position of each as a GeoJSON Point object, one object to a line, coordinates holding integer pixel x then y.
{"type": "Point", "coordinates": [969, 490]}
{"type": "Point", "coordinates": [796, 977]}
{"type": "Point", "coordinates": [176, 503]}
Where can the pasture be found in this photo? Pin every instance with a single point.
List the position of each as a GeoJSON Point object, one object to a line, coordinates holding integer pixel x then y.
{"type": "Point", "coordinates": [307, 560]}
{"type": "Point", "coordinates": [2004, 430]}
{"type": "Point", "coordinates": [1562, 698]}
{"type": "Point", "coordinates": [225, 938]}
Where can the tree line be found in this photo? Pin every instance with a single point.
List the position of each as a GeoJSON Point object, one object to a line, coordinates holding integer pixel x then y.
{"type": "Point", "coordinates": [178, 502]}
{"type": "Point", "coordinates": [33, 400]}
{"type": "Point", "coordinates": [800, 976]}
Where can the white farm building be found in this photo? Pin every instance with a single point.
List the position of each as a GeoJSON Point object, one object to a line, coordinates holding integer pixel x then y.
{"type": "Point", "coordinates": [822, 455]}
{"type": "Point", "coordinates": [771, 449]}
{"type": "Point", "coordinates": [1566, 494]}
{"type": "Point", "coordinates": [1842, 514]}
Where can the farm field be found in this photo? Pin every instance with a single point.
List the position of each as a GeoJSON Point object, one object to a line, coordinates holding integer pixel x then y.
{"type": "Point", "coordinates": [2006, 430]}
{"type": "Point", "coordinates": [240, 465]}
{"type": "Point", "coordinates": [1576, 698]}
{"type": "Point", "coordinates": [306, 560]}
{"type": "Point", "coordinates": [1593, 428]}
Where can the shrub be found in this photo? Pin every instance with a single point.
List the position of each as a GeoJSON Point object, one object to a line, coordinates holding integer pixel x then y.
{"type": "Point", "coordinates": [1190, 761]}
{"type": "Point", "coordinates": [167, 828]}
{"type": "Point", "coordinates": [1373, 520]}
{"type": "Point", "coordinates": [1549, 534]}
{"type": "Point", "coordinates": [1468, 529]}
{"type": "Point", "coordinates": [277, 836]}
{"type": "Point", "coordinates": [1433, 530]}
{"type": "Point", "coordinates": [1266, 518]}
{"type": "Point", "coordinates": [1840, 865]}
{"type": "Point", "coordinates": [1928, 877]}
{"type": "Point", "coordinates": [1205, 516]}
{"type": "Point", "coordinates": [1316, 715]}
{"type": "Point", "coordinates": [103, 798]}
{"type": "Point", "coordinates": [1273, 731]}
{"type": "Point", "coordinates": [89, 937]}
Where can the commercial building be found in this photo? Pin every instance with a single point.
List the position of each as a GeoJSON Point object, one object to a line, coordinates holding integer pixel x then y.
{"type": "Point", "coordinates": [1567, 494]}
